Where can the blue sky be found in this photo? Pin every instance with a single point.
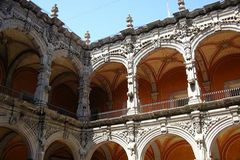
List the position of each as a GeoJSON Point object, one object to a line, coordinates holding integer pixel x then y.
{"type": "Point", "coordinates": [107, 17]}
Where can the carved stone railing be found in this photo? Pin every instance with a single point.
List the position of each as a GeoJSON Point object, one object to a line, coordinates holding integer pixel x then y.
{"type": "Point", "coordinates": [17, 94]}
{"type": "Point", "coordinates": [30, 98]}
{"type": "Point", "coordinates": [61, 110]}
{"type": "Point", "coordinates": [217, 95]}
{"type": "Point", "coordinates": [110, 114]}
{"type": "Point", "coordinates": [168, 104]}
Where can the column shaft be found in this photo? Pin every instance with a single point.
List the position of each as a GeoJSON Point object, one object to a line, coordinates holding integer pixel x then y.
{"type": "Point", "coordinates": [43, 88]}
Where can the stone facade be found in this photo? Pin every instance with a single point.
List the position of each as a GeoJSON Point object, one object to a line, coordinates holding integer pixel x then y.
{"type": "Point", "coordinates": [198, 123]}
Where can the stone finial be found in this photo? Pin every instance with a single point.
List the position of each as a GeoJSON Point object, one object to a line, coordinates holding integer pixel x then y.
{"type": "Point", "coordinates": [87, 38]}
{"type": "Point", "coordinates": [181, 5]}
{"type": "Point", "coordinates": [54, 11]}
{"type": "Point", "coordinates": [129, 21]}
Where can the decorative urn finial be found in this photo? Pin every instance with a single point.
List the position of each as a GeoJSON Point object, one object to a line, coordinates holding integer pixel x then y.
{"type": "Point", "coordinates": [181, 5]}
{"type": "Point", "coordinates": [87, 38]}
{"type": "Point", "coordinates": [54, 11]}
{"type": "Point", "coordinates": [129, 21]}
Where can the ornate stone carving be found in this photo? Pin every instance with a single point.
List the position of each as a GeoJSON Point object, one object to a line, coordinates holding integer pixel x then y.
{"type": "Point", "coordinates": [106, 135]}
{"type": "Point", "coordinates": [13, 118]}
{"type": "Point", "coordinates": [208, 122]}
{"type": "Point", "coordinates": [6, 7]}
{"type": "Point", "coordinates": [50, 34]}
{"type": "Point", "coordinates": [66, 130]}
{"type": "Point", "coordinates": [127, 47]}
{"type": "Point", "coordinates": [184, 29]}
{"type": "Point", "coordinates": [50, 130]}
{"type": "Point", "coordinates": [157, 42]}
{"type": "Point", "coordinates": [31, 123]}
{"type": "Point", "coordinates": [84, 138]}
{"type": "Point", "coordinates": [142, 132]}
{"type": "Point", "coordinates": [28, 24]}
{"type": "Point", "coordinates": [41, 93]}
{"type": "Point", "coordinates": [235, 110]}
{"type": "Point", "coordinates": [186, 126]}
{"type": "Point", "coordinates": [131, 137]}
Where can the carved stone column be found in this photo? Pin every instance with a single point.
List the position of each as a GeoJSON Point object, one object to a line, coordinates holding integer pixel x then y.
{"type": "Point", "coordinates": [131, 140]}
{"type": "Point", "coordinates": [43, 88]}
{"type": "Point", "coordinates": [193, 86]}
{"type": "Point", "coordinates": [197, 120]}
{"type": "Point", "coordinates": [83, 111]}
{"type": "Point", "coordinates": [132, 102]}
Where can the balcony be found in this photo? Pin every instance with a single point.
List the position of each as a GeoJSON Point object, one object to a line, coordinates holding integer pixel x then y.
{"type": "Point", "coordinates": [213, 96]}
{"type": "Point", "coordinates": [146, 108]}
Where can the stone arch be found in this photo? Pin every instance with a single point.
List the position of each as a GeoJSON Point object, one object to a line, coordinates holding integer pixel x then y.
{"type": "Point", "coordinates": [19, 25]}
{"type": "Point", "coordinates": [214, 131]}
{"type": "Point", "coordinates": [74, 60]}
{"type": "Point", "coordinates": [206, 33]}
{"type": "Point", "coordinates": [224, 62]}
{"type": "Point", "coordinates": [143, 141]}
{"type": "Point", "coordinates": [70, 142]}
{"type": "Point", "coordinates": [15, 63]}
{"type": "Point", "coordinates": [100, 63]}
{"type": "Point", "coordinates": [105, 81]}
{"type": "Point", "coordinates": [24, 131]}
{"type": "Point", "coordinates": [92, 146]}
{"type": "Point", "coordinates": [228, 144]}
{"type": "Point", "coordinates": [147, 50]}
{"type": "Point", "coordinates": [151, 78]}
{"type": "Point", "coordinates": [107, 87]}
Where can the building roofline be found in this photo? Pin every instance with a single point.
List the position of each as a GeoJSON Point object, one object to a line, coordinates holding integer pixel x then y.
{"type": "Point", "coordinates": [165, 22]}
{"type": "Point", "coordinates": [129, 31]}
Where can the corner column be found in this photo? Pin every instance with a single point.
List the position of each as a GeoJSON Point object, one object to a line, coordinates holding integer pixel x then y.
{"type": "Point", "coordinates": [83, 111]}
{"type": "Point", "coordinates": [194, 92]}
{"type": "Point", "coordinates": [43, 88]}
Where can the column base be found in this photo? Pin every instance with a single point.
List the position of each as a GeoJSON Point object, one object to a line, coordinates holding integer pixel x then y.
{"type": "Point", "coordinates": [194, 100]}
{"type": "Point", "coordinates": [85, 119]}
{"type": "Point", "coordinates": [132, 111]}
{"type": "Point", "coordinates": [39, 103]}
